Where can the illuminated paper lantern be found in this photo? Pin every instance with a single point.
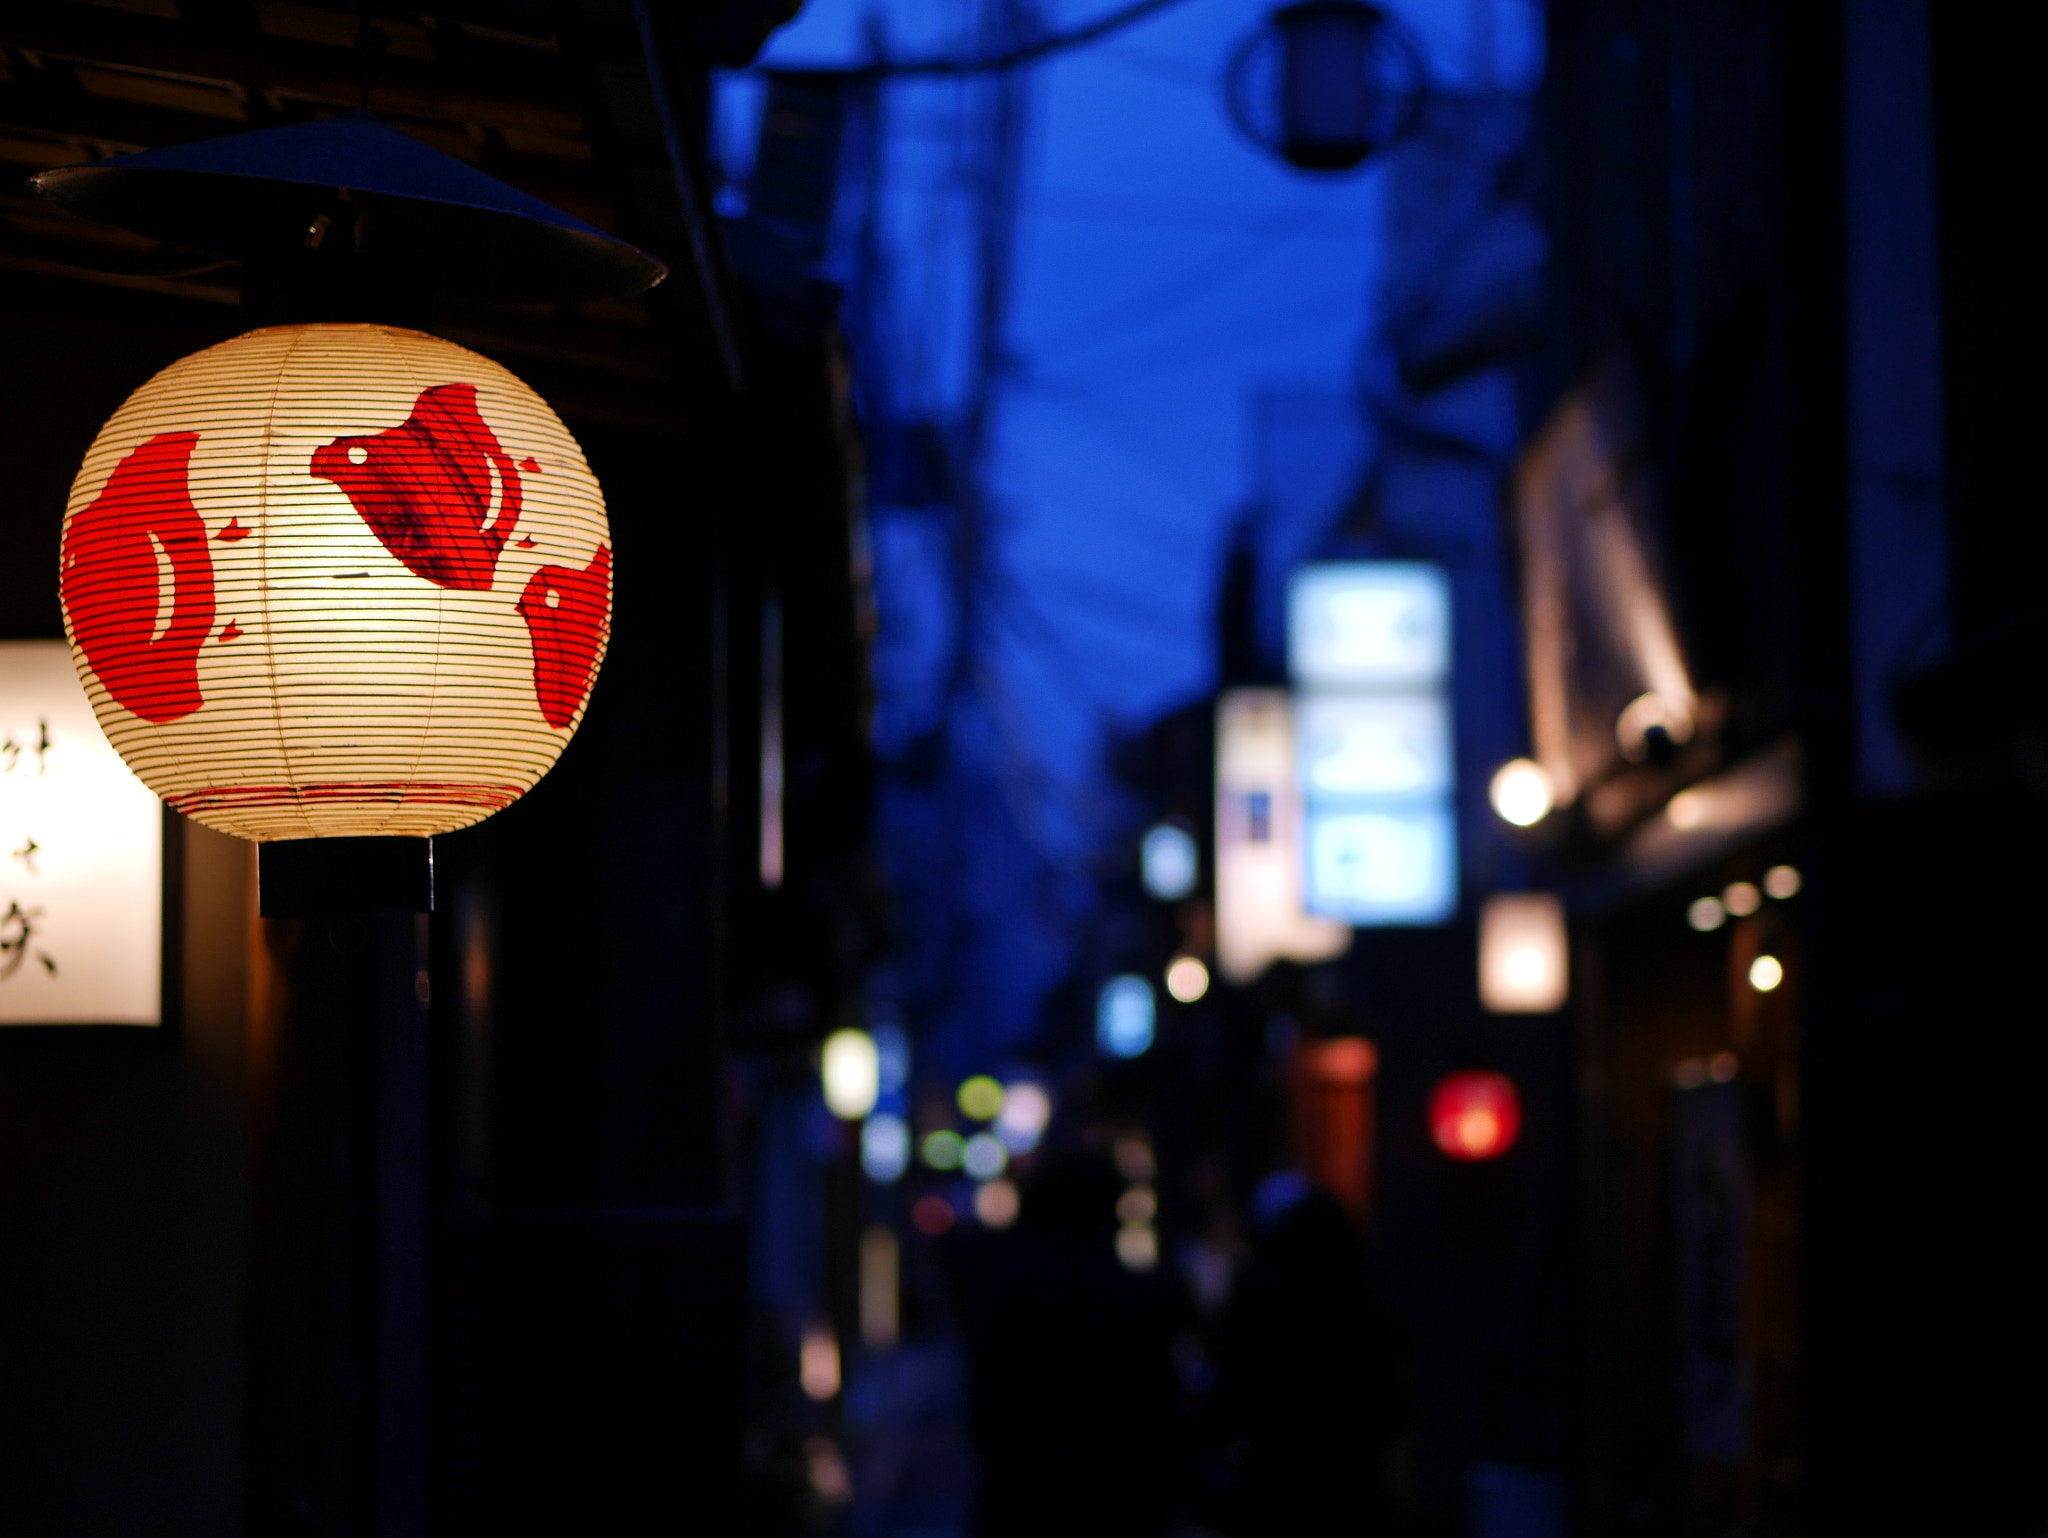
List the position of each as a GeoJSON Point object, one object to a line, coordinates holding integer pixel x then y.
{"type": "Point", "coordinates": [336, 580]}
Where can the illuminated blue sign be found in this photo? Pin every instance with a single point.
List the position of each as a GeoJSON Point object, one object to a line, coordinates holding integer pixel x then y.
{"type": "Point", "coordinates": [1369, 647]}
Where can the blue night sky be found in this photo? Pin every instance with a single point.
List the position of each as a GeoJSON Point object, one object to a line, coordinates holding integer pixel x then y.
{"type": "Point", "coordinates": [1167, 273]}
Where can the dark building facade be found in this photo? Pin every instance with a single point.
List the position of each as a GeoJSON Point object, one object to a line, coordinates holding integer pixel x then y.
{"type": "Point", "coordinates": [431, 1225]}
{"type": "Point", "coordinates": [1797, 224]}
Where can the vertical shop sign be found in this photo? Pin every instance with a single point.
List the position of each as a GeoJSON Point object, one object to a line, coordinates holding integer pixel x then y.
{"type": "Point", "coordinates": [1260, 916]}
{"type": "Point", "coordinates": [1369, 648]}
{"type": "Point", "coordinates": [81, 857]}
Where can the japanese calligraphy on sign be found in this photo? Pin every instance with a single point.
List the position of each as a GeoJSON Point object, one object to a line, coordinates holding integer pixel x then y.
{"type": "Point", "coordinates": [81, 857]}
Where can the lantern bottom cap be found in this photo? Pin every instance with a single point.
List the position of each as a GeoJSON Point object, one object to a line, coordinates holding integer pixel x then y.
{"type": "Point", "coordinates": [302, 877]}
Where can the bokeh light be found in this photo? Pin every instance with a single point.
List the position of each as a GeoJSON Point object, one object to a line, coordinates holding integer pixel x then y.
{"type": "Point", "coordinates": [1027, 1111]}
{"type": "Point", "coordinates": [1706, 913]}
{"type": "Point", "coordinates": [1765, 973]}
{"type": "Point", "coordinates": [851, 1073]}
{"type": "Point", "coordinates": [943, 1148]}
{"type": "Point", "coordinates": [1781, 881]}
{"type": "Point", "coordinates": [1137, 1248]}
{"type": "Point", "coordinates": [1168, 862]}
{"type": "Point", "coordinates": [1125, 1012]}
{"type": "Point", "coordinates": [884, 1147]}
{"type": "Point", "coordinates": [1187, 979]}
{"type": "Point", "coordinates": [980, 1098]}
{"type": "Point", "coordinates": [818, 1362]}
{"type": "Point", "coordinates": [1475, 1115]}
{"type": "Point", "coordinates": [996, 1204]}
{"type": "Point", "coordinates": [932, 1215]}
{"type": "Point", "coordinates": [984, 1157]}
{"type": "Point", "coordinates": [1521, 792]}
{"type": "Point", "coordinates": [1741, 898]}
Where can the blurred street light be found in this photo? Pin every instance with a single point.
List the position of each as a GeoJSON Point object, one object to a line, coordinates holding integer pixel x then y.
{"type": "Point", "coordinates": [818, 1363]}
{"type": "Point", "coordinates": [1765, 973]}
{"type": "Point", "coordinates": [996, 1203]}
{"type": "Point", "coordinates": [1475, 1116]}
{"type": "Point", "coordinates": [852, 1074]}
{"type": "Point", "coordinates": [1706, 913]}
{"type": "Point", "coordinates": [1187, 979]}
{"type": "Point", "coordinates": [1521, 792]}
{"type": "Point", "coordinates": [1168, 862]}
{"type": "Point", "coordinates": [1523, 953]}
{"type": "Point", "coordinates": [1742, 898]}
{"type": "Point", "coordinates": [1125, 1014]}
{"type": "Point", "coordinates": [1027, 1110]}
{"type": "Point", "coordinates": [943, 1148]}
{"type": "Point", "coordinates": [1781, 881]}
{"type": "Point", "coordinates": [1137, 1247]}
{"type": "Point", "coordinates": [984, 1157]}
{"type": "Point", "coordinates": [980, 1098]}
{"type": "Point", "coordinates": [884, 1148]}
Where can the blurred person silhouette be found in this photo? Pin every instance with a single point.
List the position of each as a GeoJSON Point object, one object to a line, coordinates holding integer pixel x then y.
{"type": "Point", "coordinates": [1306, 1397]}
{"type": "Point", "coordinates": [1073, 1389]}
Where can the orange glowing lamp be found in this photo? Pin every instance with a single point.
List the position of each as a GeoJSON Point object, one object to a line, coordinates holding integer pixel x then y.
{"type": "Point", "coordinates": [1474, 1116]}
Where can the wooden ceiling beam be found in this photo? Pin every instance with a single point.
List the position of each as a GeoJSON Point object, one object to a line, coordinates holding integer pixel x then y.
{"type": "Point", "coordinates": [306, 72]}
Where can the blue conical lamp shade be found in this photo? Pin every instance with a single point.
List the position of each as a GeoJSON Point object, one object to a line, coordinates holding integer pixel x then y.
{"type": "Point", "coordinates": [255, 193]}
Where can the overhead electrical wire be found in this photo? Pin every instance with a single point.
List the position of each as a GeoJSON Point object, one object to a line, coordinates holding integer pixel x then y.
{"type": "Point", "coordinates": [1055, 378]}
{"type": "Point", "coordinates": [1008, 59]}
{"type": "Point", "coordinates": [1199, 278]}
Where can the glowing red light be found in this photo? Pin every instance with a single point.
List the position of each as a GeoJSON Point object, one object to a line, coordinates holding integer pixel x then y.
{"type": "Point", "coordinates": [932, 1215]}
{"type": "Point", "coordinates": [1475, 1116]}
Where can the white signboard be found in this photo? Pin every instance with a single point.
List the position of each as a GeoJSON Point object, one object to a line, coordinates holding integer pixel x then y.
{"type": "Point", "coordinates": [81, 857]}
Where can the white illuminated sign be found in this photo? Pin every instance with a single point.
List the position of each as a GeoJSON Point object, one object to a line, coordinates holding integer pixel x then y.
{"type": "Point", "coordinates": [1369, 646]}
{"type": "Point", "coordinates": [1393, 867]}
{"type": "Point", "coordinates": [1374, 744]}
{"type": "Point", "coordinates": [1260, 914]}
{"type": "Point", "coordinates": [81, 857]}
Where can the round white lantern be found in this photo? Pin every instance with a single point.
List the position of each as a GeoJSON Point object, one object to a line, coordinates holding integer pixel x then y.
{"type": "Point", "coordinates": [336, 580]}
